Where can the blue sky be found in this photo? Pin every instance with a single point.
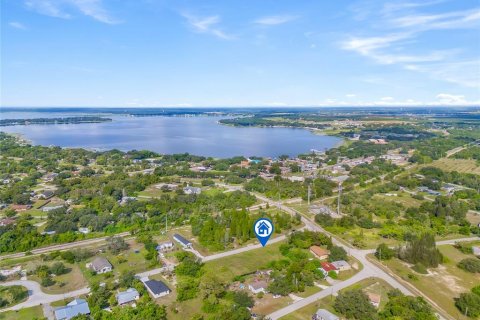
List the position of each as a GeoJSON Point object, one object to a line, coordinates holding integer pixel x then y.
{"type": "Point", "coordinates": [239, 53]}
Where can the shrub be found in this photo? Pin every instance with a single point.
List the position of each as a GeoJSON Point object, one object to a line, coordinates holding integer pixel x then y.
{"type": "Point", "coordinates": [470, 264]}
{"type": "Point", "coordinates": [420, 268]}
{"type": "Point", "coordinates": [383, 252]}
{"type": "Point", "coordinates": [469, 304]}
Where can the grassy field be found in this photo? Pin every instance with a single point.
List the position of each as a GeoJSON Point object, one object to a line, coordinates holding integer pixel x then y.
{"type": "Point", "coordinates": [373, 285]}
{"type": "Point", "coordinates": [402, 198]}
{"type": "Point", "coordinates": [71, 281]}
{"type": "Point", "coordinates": [442, 284]}
{"type": "Point", "coordinates": [229, 267]}
{"type": "Point", "coordinates": [27, 313]}
{"type": "Point", "coordinates": [460, 165]}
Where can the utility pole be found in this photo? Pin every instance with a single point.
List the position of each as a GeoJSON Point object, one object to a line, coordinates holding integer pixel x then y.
{"type": "Point", "coordinates": [338, 200]}
{"type": "Point", "coordinates": [309, 190]}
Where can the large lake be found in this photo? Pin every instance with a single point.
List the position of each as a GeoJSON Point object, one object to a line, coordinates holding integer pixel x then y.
{"type": "Point", "coordinates": [200, 135]}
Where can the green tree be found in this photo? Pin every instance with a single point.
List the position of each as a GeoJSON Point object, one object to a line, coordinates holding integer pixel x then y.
{"type": "Point", "coordinates": [354, 304]}
{"type": "Point", "coordinates": [384, 252]}
{"type": "Point", "coordinates": [469, 304]}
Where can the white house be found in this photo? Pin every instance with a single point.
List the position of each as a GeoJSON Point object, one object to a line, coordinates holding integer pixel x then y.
{"type": "Point", "coordinates": [165, 246]}
{"type": "Point", "coordinates": [342, 265]}
{"type": "Point", "coordinates": [127, 297]}
{"type": "Point", "coordinates": [258, 286]}
{"type": "Point", "coordinates": [100, 265]}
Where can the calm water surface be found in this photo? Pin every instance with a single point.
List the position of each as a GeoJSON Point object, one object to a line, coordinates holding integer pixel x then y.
{"type": "Point", "coordinates": [196, 135]}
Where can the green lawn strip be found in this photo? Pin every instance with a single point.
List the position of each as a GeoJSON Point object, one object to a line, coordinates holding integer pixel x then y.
{"type": "Point", "coordinates": [26, 313]}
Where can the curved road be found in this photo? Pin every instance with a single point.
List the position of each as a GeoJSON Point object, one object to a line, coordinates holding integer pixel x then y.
{"type": "Point", "coordinates": [36, 296]}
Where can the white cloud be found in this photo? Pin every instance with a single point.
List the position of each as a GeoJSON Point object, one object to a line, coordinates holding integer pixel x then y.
{"type": "Point", "coordinates": [350, 95]}
{"type": "Point", "coordinates": [449, 20]}
{"type": "Point", "coordinates": [17, 25]}
{"type": "Point", "coordinates": [404, 28]}
{"type": "Point", "coordinates": [375, 48]}
{"type": "Point", "coordinates": [206, 25]}
{"type": "Point", "coordinates": [446, 98]}
{"type": "Point", "coordinates": [463, 73]}
{"type": "Point", "coordinates": [60, 9]}
{"type": "Point", "coordinates": [275, 20]}
{"type": "Point", "coordinates": [387, 99]}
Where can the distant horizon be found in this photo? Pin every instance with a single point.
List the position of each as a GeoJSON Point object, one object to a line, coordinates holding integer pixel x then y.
{"type": "Point", "coordinates": [426, 106]}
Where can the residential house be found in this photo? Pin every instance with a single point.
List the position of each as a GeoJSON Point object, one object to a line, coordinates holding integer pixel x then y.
{"type": "Point", "coordinates": [156, 288]}
{"type": "Point", "coordinates": [10, 272]}
{"type": "Point", "coordinates": [341, 265]}
{"type": "Point", "coordinates": [327, 266]}
{"type": "Point", "coordinates": [182, 241]}
{"type": "Point", "coordinates": [323, 314]}
{"type": "Point", "coordinates": [165, 246]}
{"type": "Point", "coordinates": [258, 286]}
{"type": "Point", "coordinates": [374, 299]}
{"type": "Point", "coordinates": [84, 230]}
{"type": "Point", "coordinates": [320, 252]}
{"type": "Point", "coordinates": [476, 251]}
{"type": "Point", "coordinates": [49, 177]}
{"type": "Point", "coordinates": [46, 194]}
{"type": "Point", "coordinates": [192, 190]}
{"type": "Point", "coordinates": [6, 222]}
{"type": "Point", "coordinates": [127, 297]}
{"type": "Point", "coordinates": [52, 207]}
{"type": "Point", "coordinates": [72, 309]}
{"type": "Point", "coordinates": [100, 265]}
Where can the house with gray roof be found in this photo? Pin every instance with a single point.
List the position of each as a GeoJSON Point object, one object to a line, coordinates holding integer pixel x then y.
{"type": "Point", "coordinates": [100, 265]}
{"type": "Point", "coordinates": [74, 308]}
{"type": "Point", "coordinates": [181, 240]}
{"type": "Point", "coordinates": [323, 314]}
{"type": "Point", "coordinates": [342, 265]}
{"type": "Point", "coordinates": [156, 288]}
{"type": "Point", "coordinates": [127, 297]}
{"type": "Point", "coordinates": [192, 190]}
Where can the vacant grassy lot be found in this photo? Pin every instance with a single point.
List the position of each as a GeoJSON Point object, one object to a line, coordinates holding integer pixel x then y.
{"type": "Point", "coordinates": [229, 267]}
{"type": "Point", "coordinates": [71, 281]}
{"type": "Point", "coordinates": [442, 284]}
{"type": "Point", "coordinates": [373, 285]}
{"type": "Point", "coordinates": [460, 165]}
{"type": "Point", "coordinates": [28, 313]}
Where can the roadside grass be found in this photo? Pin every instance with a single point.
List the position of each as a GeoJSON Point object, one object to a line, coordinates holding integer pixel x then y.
{"type": "Point", "coordinates": [373, 285]}
{"type": "Point", "coordinates": [26, 313]}
{"type": "Point", "coordinates": [441, 284]}
{"type": "Point", "coordinates": [460, 165]}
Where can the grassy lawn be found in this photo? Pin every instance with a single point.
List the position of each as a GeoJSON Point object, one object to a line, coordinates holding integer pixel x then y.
{"type": "Point", "coordinates": [133, 261]}
{"type": "Point", "coordinates": [268, 304]}
{"type": "Point", "coordinates": [473, 217]}
{"type": "Point", "coordinates": [373, 285]}
{"type": "Point", "coordinates": [229, 267]}
{"type": "Point", "coordinates": [27, 313]}
{"type": "Point", "coordinates": [71, 281]}
{"type": "Point", "coordinates": [402, 198]}
{"type": "Point", "coordinates": [442, 284]}
{"type": "Point", "coordinates": [460, 165]}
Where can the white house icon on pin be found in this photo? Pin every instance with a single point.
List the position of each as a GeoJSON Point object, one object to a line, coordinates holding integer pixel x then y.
{"type": "Point", "coordinates": [263, 229]}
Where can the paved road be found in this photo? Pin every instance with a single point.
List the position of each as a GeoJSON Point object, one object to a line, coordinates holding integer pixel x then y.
{"type": "Point", "coordinates": [61, 247]}
{"type": "Point", "coordinates": [37, 296]}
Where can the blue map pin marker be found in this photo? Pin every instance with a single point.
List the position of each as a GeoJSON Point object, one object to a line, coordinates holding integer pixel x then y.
{"type": "Point", "coordinates": [263, 229]}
